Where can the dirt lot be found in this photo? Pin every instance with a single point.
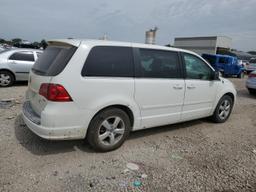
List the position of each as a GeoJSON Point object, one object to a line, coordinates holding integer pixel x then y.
{"type": "Point", "coordinates": [192, 156]}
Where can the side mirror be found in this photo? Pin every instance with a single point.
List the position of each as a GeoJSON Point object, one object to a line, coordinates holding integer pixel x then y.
{"type": "Point", "coordinates": [215, 75]}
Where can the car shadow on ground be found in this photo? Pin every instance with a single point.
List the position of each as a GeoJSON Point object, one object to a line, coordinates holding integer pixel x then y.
{"type": "Point", "coordinates": [39, 146]}
{"type": "Point", "coordinates": [245, 94]}
{"type": "Point", "coordinates": [20, 83]}
{"type": "Point", "coordinates": [17, 84]}
{"type": "Point", "coordinates": [165, 129]}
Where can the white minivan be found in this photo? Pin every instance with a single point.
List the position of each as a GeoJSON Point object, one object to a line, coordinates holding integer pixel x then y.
{"type": "Point", "coordinates": [101, 90]}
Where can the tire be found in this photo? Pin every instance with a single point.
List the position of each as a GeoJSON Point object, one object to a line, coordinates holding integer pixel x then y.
{"type": "Point", "coordinates": [113, 125]}
{"type": "Point", "coordinates": [6, 79]}
{"type": "Point", "coordinates": [225, 105]}
{"type": "Point", "coordinates": [241, 75]}
{"type": "Point", "coordinates": [252, 91]}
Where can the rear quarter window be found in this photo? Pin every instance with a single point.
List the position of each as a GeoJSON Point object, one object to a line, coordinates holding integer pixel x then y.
{"type": "Point", "coordinates": [109, 61]}
{"type": "Point", "coordinates": [223, 60]}
{"type": "Point", "coordinates": [53, 60]}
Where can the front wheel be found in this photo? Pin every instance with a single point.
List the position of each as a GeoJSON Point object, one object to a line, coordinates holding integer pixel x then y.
{"type": "Point", "coordinates": [108, 129]}
{"type": "Point", "coordinates": [252, 91]}
{"type": "Point", "coordinates": [223, 109]}
{"type": "Point", "coordinates": [6, 79]}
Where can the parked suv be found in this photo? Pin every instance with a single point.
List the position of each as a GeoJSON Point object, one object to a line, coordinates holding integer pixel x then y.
{"type": "Point", "coordinates": [15, 65]}
{"type": "Point", "coordinates": [102, 90]}
{"type": "Point", "coordinates": [225, 64]}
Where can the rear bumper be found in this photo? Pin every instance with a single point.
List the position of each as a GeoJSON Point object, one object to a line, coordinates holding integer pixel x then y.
{"type": "Point", "coordinates": [249, 70]}
{"type": "Point", "coordinates": [251, 84]}
{"type": "Point", "coordinates": [51, 133]}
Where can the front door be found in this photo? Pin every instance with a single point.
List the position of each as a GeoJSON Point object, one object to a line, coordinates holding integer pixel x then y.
{"type": "Point", "coordinates": [200, 89]}
{"type": "Point", "coordinates": [159, 87]}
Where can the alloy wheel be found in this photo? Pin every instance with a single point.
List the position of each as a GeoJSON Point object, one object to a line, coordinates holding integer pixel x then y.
{"type": "Point", "coordinates": [5, 79]}
{"type": "Point", "coordinates": [111, 130]}
{"type": "Point", "coordinates": [224, 109]}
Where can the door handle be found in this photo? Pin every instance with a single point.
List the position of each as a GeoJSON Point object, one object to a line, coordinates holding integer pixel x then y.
{"type": "Point", "coordinates": [177, 87]}
{"type": "Point", "coordinates": [191, 87]}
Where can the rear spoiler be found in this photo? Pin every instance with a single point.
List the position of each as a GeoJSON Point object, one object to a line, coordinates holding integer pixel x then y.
{"type": "Point", "coordinates": [64, 42]}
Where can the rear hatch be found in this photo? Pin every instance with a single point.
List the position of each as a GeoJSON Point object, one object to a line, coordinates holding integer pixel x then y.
{"type": "Point", "coordinates": [51, 63]}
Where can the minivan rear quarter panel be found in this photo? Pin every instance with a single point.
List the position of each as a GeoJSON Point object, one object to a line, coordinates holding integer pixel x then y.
{"type": "Point", "coordinates": [92, 94]}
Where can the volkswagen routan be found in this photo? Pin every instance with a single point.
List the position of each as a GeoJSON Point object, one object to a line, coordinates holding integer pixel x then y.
{"type": "Point", "coordinates": [102, 90]}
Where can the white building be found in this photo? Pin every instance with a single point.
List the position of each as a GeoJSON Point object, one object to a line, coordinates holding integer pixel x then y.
{"type": "Point", "coordinates": [201, 45]}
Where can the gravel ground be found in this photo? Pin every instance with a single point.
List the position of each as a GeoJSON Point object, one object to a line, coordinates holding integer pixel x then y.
{"type": "Point", "coordinates": [192, 156]}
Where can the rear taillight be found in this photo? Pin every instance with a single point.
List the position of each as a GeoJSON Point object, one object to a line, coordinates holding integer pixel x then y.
{"type": "Point", "coordinates": [252, 75]}
{"type": "Point", "coordinates": [54, 92]}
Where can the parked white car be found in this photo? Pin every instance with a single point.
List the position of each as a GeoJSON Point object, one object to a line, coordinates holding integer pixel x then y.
{"type": "Point", "coordinates": [15, 65]}
{"type": "Point", "coordinates": [102, 90]}
{"type": "Point", "coordinates": [251, 66]}
{"type": "Point", "coordinates": [251, 82]}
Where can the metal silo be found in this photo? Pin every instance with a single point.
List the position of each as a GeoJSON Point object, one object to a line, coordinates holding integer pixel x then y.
{"type": "Point", "coordinates": [151, 36]}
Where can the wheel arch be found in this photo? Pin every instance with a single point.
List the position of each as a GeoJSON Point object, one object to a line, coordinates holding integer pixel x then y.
{"type": "Point", "coordinates": [8, 70]}
{"type": "Point", "coordinates": [125, 108]}
{"type": "Point", "coordinates": [231, 95]}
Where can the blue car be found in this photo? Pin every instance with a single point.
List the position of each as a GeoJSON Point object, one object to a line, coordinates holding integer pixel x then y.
{"type": "Point", "coordinates": [227, 65]}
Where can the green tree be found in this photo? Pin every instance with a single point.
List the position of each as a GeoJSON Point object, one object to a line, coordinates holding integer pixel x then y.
{"type": "Point", "coordinates": [16, 40]}
{"type": "Point", "coordinates": [43, 44]}
{"type": "Point", "coordinates": [2, 40]}
{"type": "Point", "coordinates": [36, 45]}
{"type": "Point", "coordinates": [252, 52]}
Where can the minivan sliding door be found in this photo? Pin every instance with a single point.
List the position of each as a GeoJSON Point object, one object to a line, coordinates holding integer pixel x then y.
{"type": "Point", "coordinates": [159, 86]}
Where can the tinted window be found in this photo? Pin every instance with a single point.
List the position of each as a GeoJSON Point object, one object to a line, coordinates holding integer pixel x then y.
{"type": "Point", "coordinates": [53, 60]}
{"type": "Point", "coordinates": [109, 61]}
{"type": "Point", "coordinates": [223, 60]}
{"type": "Point", "coordinates": [210, 59]}
{"type": "Point", "coordinates": [158, 64]}
{"type": "Point", "coordinates": [22, 56]}
{"type": "Point", "coordinates": [196, 68]}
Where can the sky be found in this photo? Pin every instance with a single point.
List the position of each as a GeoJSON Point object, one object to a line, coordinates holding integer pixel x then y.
{"type": "Point", "coordinates": [127, 20]}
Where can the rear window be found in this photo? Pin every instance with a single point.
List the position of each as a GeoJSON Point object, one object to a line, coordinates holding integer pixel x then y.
{"type": "Point", "coordinates": [53, 60]}
{"type": "Point", "coordinates": [109, 61]}
{"type": "Point", "coordinates": [223, 60]}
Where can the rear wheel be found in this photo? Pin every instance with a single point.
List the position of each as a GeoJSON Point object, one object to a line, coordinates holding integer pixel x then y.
{"type": "Point", "coordinates": [6, 79]}
{"type": "Point", "coordinates": [223, 109]}
{"type": "Point", "coordinates": [252, 91]}
{"type": "Point", "coordinates": [109, 129]}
